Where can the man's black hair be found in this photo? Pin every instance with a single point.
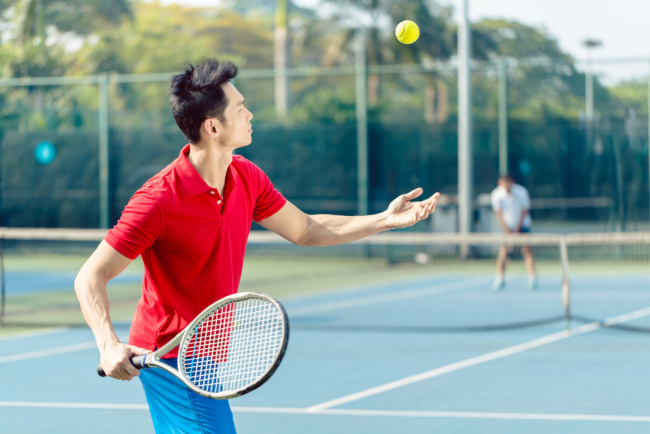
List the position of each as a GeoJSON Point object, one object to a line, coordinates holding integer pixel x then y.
{"type": "Point", "coordinates": [507, 176]}
{"type": "Point", "coordinates": [196, 95]}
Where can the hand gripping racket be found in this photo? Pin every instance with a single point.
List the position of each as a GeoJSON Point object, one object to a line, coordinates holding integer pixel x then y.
{"type": "Point", "coordinates": [230, 349]}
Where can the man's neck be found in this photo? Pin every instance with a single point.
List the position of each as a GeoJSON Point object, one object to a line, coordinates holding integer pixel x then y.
{"type": "Point", "coordinates": [211, 162]}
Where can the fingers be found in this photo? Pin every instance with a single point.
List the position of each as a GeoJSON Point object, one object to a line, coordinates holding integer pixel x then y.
{"type": "Point", "coordinates": [137, 351]}
{"type": "Point", "coordinates": [428, 206]}
{"type": "Point", "coordinates": [413, 194]}
{"type": "Point", "coordinates": [119, 365]}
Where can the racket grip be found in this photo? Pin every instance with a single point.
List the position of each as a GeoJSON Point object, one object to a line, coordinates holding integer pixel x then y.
{"type": "Point", "coordinates": [137, 361]}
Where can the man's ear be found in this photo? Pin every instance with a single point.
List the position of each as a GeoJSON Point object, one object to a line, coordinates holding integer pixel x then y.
{"type": "Point", "coordinates": [211, 127]}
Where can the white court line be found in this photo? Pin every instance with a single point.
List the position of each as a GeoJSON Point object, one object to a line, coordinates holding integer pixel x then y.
{"type": "Point", "coordinates": [74, 405]}
{"type": "Point", "coordinates": [29, 334]}
{"type": "Point", "coordinates": [51, 351]}
{"type": "Point", "coordinates": [384, 298]}
{"type": "Point", "coordinates": [457, 366]}
{"type": "Point", "coordinates": [341, 412]}
{"type": "Point", "coordinates": [481, 359]}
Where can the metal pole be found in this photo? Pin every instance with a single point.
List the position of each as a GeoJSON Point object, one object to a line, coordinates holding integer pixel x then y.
{"type": "Point", "coordinates": [566, 283]}
{"type": "Point", "coordinates": [104, 210]}
{"type": "Point", "coordinates": [280, 59]}
{"type": "Point", "coordinates": [361, 108]}
{"type": "Point", "coordinates": [3, 295]}
{"type": "Point", "coordinates": [464, 127]}
{"type": "Point", "coordinates": [589, 94]}
{"type": "Point", "coordinates": [503, 117]}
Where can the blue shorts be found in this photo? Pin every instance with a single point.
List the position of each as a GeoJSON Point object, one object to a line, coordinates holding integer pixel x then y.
{"type": "Point", "coordinates": [176, 409]}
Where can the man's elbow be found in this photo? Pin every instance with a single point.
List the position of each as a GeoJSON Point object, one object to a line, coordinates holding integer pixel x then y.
{"type": "Point", "coordinates": [86, 279]}
{"type": "Point", "coordinates": [306, 237]}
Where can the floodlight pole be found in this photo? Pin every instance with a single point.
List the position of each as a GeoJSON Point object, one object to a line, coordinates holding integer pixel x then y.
{"type": "Point", "coordinates": [590, 44]}
{"type": "Point", "coordinates": [464, 127]}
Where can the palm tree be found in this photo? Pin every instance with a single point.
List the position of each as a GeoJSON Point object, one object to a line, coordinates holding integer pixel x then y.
{"type": "Point", "coordinates": [79, 16]}
{"type": "Point", "coordinates": [437, 43]}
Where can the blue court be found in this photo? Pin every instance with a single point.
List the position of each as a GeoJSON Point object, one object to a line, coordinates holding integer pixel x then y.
{"type": "Point", "coordinates": [548, 378]}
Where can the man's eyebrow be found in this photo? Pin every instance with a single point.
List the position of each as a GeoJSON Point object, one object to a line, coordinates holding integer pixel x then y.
{"type": "Point", "coordinates": [241, 102]}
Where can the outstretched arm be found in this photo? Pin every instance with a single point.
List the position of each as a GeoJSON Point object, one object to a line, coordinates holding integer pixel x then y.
{"type": "Point", "coordinates": [329, 230]}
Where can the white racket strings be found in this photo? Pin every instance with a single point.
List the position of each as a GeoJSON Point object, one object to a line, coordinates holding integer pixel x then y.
{"type": "Point", "coordinates": [234, 346]}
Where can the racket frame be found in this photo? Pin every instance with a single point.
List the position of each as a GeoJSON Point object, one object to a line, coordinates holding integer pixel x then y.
{"type": "Point", "coordinates": [152, 360]}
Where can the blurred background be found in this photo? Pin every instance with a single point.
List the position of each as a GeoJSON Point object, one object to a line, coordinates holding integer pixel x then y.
{"type": "Point", "coordinates": [557, 108]}
{"type": "Point", "coordinates": [346, 118]}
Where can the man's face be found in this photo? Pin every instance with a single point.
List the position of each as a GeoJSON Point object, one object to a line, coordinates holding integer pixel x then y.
{"type": "Point", "coordinates": [237, 130]}
{"type": "Point", "coordinates": [506, 183]}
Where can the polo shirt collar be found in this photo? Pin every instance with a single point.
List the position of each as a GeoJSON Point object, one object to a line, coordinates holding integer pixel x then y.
{"type": "Point", "coordinates": [190, 178]}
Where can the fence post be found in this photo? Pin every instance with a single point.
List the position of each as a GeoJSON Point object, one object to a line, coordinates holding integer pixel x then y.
{"type": "Point", "coordinates": [503, 117]}
{"type": "Point", "coordinates": [104, 206]}
{"type": "Point", "coordinates": [465, 152]}
{"type": "Point", "coordinates": [361, 107]}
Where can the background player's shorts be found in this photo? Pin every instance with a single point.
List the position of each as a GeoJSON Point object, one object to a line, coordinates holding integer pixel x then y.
{"type": "Point", "coordinates": [176, 409]}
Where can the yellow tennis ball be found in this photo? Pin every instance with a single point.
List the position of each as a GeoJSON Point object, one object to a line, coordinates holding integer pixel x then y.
{"type": "Point", "coordinates": [407, 32]}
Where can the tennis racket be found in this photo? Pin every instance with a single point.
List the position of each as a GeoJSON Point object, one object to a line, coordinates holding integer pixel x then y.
{"type": "Point", "coordinates": [230, 349]}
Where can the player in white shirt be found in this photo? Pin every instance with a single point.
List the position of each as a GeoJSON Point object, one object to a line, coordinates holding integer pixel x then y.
{"type": "Point", "coordinates": [511, 204]}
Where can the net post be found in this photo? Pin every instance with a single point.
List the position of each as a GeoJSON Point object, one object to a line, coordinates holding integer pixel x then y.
{"type": "Point", "coordinates": [566, 285]}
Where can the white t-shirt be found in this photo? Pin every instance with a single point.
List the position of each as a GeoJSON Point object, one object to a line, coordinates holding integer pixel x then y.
{"type": "Point", "coordinates": [511, 205]}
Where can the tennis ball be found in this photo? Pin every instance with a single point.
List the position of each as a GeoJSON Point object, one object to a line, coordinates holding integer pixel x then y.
{"type": "Point", "coordinates": [407, 32]}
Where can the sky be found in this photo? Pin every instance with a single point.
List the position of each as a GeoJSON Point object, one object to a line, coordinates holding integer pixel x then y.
{"type": "Point", "coordinates": [622, 26]}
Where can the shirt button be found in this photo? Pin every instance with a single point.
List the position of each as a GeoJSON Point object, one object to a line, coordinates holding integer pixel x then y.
{"type": "Point", "coordinates": [219, 202]}
{"type": "Point", "coordinates": [211, 192]}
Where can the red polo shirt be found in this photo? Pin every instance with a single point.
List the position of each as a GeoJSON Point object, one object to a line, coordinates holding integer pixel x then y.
{"type": "Point", "coordinates": [192, 242]}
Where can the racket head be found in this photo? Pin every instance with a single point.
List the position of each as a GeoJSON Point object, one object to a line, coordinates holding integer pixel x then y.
{"type": "Point", "coordinates": [234, 346]}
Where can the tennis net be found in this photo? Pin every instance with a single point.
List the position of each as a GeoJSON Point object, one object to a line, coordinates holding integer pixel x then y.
{"type": "Point", "coordinates": [399, 281]}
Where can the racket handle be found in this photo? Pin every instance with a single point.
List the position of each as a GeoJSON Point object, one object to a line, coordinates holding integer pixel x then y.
{"type": "Point", "coordinates": [137, 361]}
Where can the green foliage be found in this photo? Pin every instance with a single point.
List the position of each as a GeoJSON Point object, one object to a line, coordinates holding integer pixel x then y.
{"type": "Point", "coordinates": [630, 95]}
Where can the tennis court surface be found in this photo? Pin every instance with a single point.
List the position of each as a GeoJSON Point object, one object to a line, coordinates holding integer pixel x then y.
{"type": "Point", "coordinates": [399, 334]}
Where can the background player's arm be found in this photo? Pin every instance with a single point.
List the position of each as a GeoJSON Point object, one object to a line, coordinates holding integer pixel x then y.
{"type": "Point", "coordinates": [502, 222]}
{"type": "Point", "coordinates": [90, 285]}
{"type": "Point", "coordinates": [524, 212]}
{"type": "Point", "coordinates": [329, 230]}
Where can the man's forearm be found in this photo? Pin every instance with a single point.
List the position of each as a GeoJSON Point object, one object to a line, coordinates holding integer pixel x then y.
{"type": "Point", "coordinates": [91, 292]}
{"type": "Point", "coordinates": [522, 217]}
{"type": "Point", "coordinates": [502, 222]}
{"type": "Point", "coordinates": [330, 230]}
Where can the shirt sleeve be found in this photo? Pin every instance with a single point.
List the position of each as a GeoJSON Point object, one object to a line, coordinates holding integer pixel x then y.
{"type": "Point", "coordinates": [269, 200]}
{"type": "Point", "coordinates": [525, 197]}
{"type": "Point", "coordinates": [494, 197]}
{"type": "Point", "coordinates": [139, 226]}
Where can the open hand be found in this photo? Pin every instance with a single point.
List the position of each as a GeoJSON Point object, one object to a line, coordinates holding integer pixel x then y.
{"type": "Point", "coordinates": [402, 212]}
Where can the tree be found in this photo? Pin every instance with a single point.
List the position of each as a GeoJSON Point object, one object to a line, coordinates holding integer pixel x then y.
{"type": "Point", "coordinates": [78, 16]}
{"type": "Point", "coordinates": [542, 80]}
{"type": "Point", "coordinates": [437, 43]}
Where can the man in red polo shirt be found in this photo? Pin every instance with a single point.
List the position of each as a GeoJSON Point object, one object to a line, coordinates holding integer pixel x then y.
{"type": "Point", "coordinates": [190, 224]}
